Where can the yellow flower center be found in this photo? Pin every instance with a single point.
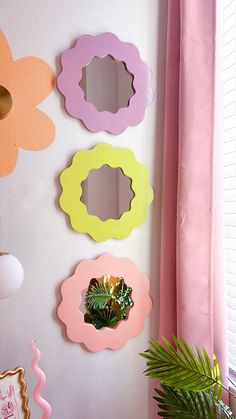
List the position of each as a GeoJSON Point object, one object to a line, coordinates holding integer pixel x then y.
{"type": "Point", "coordinates": [5, 102]}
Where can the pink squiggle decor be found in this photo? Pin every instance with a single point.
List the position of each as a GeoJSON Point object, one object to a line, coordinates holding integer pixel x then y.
{"type": "Point", "coordinates": [43, 404]}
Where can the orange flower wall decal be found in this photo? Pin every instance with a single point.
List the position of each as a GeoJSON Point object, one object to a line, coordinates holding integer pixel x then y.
{"type": "Point", "coordinates": [24, 83]}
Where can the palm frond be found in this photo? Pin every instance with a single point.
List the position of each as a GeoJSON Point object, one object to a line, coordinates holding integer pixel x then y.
{"type": "Point", "coordinates": [182, 367]}
{"type": "Point", "coordinates": [182, 404]}
{"type": "Point", "coordinates": [98, 296]}
{"type": "Point", "coordinates": [102, 318]}
{"type": "Point", "coordinates": [107, 303]}
{"type": "Point", "coordinates": [217, 390]}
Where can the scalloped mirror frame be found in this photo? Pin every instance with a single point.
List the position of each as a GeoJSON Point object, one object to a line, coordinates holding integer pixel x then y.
{"type": "Point", "coordinates": [74, 59]}
{"type": "Point", "coordinates": [71, 291]}
{"type": "Point", "coordinates": [70, 200]}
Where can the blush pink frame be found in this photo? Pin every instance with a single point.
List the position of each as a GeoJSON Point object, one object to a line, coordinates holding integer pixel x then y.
{"type": "Point", "coordinates": [71, 289]}
{"type": "Point", "coordinates": [74, 59]}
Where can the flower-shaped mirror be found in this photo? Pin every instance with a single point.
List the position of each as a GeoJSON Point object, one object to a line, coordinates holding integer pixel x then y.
{"type": "Point", "coordinates": [105, 83]}
{"type": "Point", "coordinates": [104, 303]}
{"type": "Point", "coordinates": [105, 192]}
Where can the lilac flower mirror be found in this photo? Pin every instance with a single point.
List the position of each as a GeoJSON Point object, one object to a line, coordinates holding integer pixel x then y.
{"type": "Point", "coordinates": [105, 83]}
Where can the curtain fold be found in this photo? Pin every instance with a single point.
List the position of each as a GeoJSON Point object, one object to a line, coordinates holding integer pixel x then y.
{"type": "Point", "coordinates": [191, 285]}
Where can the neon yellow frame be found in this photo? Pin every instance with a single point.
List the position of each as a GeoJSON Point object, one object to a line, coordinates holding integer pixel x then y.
{"type": "Point", "coordinates": [72, 177]}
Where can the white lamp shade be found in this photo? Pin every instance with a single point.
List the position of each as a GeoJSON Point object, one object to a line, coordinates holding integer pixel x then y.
{"type": "Point", "coordinates": [11, 275]}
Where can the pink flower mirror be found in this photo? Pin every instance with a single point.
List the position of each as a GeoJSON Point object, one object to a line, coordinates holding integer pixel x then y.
{"type": "Point", "coordinates": [104, 303]}
{"type": "Point", "coordinates": [105, 83]}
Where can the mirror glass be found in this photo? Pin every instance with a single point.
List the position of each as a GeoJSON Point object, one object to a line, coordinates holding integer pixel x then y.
{"type": "Point", "coordinates": [106, 301]}
{"type": "Point", "coordinates": [5, 102]}
{"type": "Point", "coordinates": [107, 192]}
{"type": "Point", "coordinates": [107, 84]}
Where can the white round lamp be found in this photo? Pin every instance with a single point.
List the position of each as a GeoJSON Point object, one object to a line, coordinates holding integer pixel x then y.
{"type": "Point", "coordinates": [11, 275]}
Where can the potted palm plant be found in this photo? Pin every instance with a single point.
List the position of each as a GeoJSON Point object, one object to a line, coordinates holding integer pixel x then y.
{"type": "Point", "coordinates": [191, 385]}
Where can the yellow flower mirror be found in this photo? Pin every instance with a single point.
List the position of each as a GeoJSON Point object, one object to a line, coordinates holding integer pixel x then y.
{"type": "Point", "coordinates": [132, 186]}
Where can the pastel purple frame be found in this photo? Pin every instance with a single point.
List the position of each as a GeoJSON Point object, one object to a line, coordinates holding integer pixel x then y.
{"type": "Point", "coordinates": [74, 59]}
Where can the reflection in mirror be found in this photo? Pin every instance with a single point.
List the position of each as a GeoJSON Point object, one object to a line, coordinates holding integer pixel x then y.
{"type": "Point", "coordinates": [107, 192]}
{"type": "Point", "coordinates": [5, 102]}
{"type": "Point", "coordinates": [107, 301]}
{"type": "Point", "coordinates": [107, 84]}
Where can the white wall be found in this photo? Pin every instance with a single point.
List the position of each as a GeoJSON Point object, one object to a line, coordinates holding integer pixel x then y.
{"type": "Point", "coordinates": [80, 384]}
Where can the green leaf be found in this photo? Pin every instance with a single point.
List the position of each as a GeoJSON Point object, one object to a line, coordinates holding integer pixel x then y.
{"type": "Point", "coordinates": [122, 295]}
{"type": "Point", "coordinates": [102, 318]}
{"type": "Point", "coordinates": [98, 296]}
{"type": "Point", "coordinates": [217, 390]}
{"type": "Point", "coordinates": [182, 367]}
{"type": "Point", "coordinates": [107, 304]}
{"type": "Point", "coordinates": [180, 404]}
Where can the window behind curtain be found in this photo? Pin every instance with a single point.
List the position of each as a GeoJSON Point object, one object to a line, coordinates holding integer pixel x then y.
{"type": "Point", "coordinates": [229, 74]}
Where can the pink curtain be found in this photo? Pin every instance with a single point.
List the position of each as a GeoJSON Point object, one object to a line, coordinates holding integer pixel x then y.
{"type": "Point", "coordinates": [191, 289]}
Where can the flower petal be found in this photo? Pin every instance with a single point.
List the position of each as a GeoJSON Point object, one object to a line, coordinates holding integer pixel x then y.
{"type": "Point", "coordinates": [5, 52]}
{"type": "Point", "coordinates": [33, 78]}
{"type": "Point", "coordinates": [29, 128]}
{"type": "Point", "coordinates": [35, 130]}
{"type": "Point", "coordinates": [8, 157]}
